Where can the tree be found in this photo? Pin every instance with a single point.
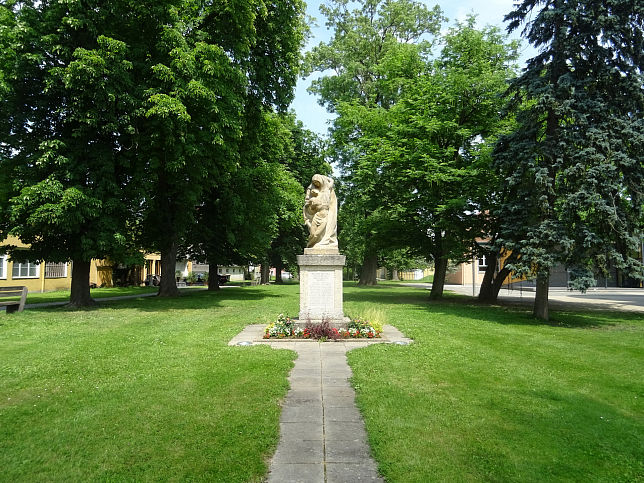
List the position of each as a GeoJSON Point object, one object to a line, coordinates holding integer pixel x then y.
{"type": "Point", "coordinates": [306, 158]}
{"type": "Point", "coordinates": [65, 136]}
{"type": "Point", "coordinates": [574, 164]}
{"type": "Point", "coordinates": [215, 74]}
{"type": "Point", "coordinates": [239, 218]}
{"type": "Point", "coordinates": [373, 46]}
{"type": "Point", "coordinates": [119, 118]}
{"type": "Point", "coordinates": [430, 149]}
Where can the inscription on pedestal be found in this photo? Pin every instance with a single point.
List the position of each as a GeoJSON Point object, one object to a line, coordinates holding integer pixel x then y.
{"type": "Point", "coordinates": [320, 290]}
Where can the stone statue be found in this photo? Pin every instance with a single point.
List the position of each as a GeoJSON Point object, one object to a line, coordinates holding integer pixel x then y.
{"type": "Point", "coordinates": [321, 213]}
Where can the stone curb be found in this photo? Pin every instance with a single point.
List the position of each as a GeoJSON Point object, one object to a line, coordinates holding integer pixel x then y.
{"type": "Point", "coordinates": [253, 335]}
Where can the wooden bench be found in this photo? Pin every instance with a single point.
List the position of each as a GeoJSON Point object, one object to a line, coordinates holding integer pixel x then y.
{"type": "Point", "coordinates": [13, 305]}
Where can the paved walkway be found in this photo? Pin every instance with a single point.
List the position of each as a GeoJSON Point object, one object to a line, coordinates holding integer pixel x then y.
{"type": "Point", "coordinates": [322, 435]}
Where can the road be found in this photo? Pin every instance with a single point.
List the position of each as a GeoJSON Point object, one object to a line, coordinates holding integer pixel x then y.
{"type": "Point", "coordinates": [626, 299]}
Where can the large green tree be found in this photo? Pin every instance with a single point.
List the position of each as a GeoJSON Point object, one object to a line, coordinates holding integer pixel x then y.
{"type": "Point", "coordinates": [116, 119]}
{"type": "Point", "coordinates": [238, 218]}
{"type": "Point", "coordinates": [430, 150]}
{"type": "Point", "coordinates": [575, 163]}
{"type": "Point", "coordinates": [306, 158]}
{"type": "Point", "coordinates": [374, 45]}
{"type": "Point", "coordinates": [66, 135]}
{"type": "Point", "coordinates": [219, 65]}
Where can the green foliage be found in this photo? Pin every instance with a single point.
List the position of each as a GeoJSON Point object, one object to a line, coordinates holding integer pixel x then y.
{"type": "Point", "coordinates": [370, 42]}
{"type": "Point", "coordinates": [256, 208]}
{"type": "Point", "coordinates": [305, 158]}
{"type": "Point", "coordinates": [117, 121]}
{"type": "Point", "coordinates": [573, 166]}
{"type": "Point", "coordinates": [419, 168]}
{"type": "Point", "coordinates": [66, 125]}
{"type": "Point", "coordinates": [375, 47]}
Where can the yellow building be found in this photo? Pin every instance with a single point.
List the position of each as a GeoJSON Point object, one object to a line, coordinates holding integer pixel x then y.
{"type": "Point", "coordinates": [36, 276]}
{"type": "Point", "coordinates": [47, 276]}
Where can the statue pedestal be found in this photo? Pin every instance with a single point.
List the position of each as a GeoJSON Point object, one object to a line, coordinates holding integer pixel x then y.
{"type": "Point", "coordinates": [321, 287]}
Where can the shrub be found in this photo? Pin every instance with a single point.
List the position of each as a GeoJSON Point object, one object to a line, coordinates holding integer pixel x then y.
{"type": "Point", "coordinates": [323, 330]}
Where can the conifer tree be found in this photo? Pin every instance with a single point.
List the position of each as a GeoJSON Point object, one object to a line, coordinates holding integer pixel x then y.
{"type": "Point", "coordinates": [575, 164]}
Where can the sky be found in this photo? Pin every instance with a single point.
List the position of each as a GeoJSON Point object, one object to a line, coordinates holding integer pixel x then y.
{"type": "Point", "coordinates": [315, 117]}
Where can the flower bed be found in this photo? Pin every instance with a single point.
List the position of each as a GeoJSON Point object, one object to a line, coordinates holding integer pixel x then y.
{"type": "Point", "coordinates": [285, 327]}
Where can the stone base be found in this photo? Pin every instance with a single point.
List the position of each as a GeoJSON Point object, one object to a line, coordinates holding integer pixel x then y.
{"type": "Point", "coordinates": [321, 287]}
{"type": "Point", "coordinates": [322, 251]}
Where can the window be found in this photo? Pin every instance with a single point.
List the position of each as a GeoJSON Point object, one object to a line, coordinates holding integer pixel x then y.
{"type": "Point", "coordinates": [3, 266]}
{"type": "Point", "coordinates": [55, 270]}
{"type": "Point", "coordinates": [25, 270]}
{"type": "Point", "coordinates": [482, 264]}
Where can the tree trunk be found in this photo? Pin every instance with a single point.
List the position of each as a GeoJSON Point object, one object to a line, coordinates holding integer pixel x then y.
{"type": "Point", "coordinates": [394, 274]}
{"type": "Point", "coordinates": [213, 276]}
{"type": "Point", "coordinates": [486, 291]}
{"type": "Point", "coordinates": [369, 269]}
{"type": "Point", "coordinates": [80, 296]}
{"type": "Point", "coordinates": [540, 310]}
{"type": "Point", "coordinates": [168, 286]}
{"type": "Point", "coordinates": [498, 282]}
{"type": "Point", "coordinates": [265, 273]}
{"type": "Point", "coordinates": [440, 271]}
{"type": "Point", "coordinates": [278, 271]}
{"type": "Point", "coordinates": [492, 282]}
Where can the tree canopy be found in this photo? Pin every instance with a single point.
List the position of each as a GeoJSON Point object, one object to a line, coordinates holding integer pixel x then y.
{"type": "Point", "coordinates": [574, 164]}
{"type": "Point", "coordinates": [375, 45]}
{"type": "Point", "coordinates": [117, 120]}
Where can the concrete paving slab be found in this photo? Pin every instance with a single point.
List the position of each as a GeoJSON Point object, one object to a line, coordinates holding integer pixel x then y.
{"type": "Point", "coordinates": [305, 380]}
{"type": "Point", "coordinates": [347, 452]}
{"type": "Point", "coordinates": [333, 391]}
{"type": "Point", "coordinates": [335, 381]}
{"type": "Point", "coordinates": [302, 414]}
{"type": "Point", "coordinates": [307, 367]}
{"type": "Point", "coordinates": [350, 414]}
{"type": "Point", "coordinates": [301, 432]}
{"type": "Point", "coordinates": [303, 398]}
{"type": "Point", "coordinates": [298, 452]}
{"type": "Point", "coordinates": [344, 431]}
{"type": "Point", "coordinates": [351, 473]}
{"type": "Point", "coordinates": [331, 370]}
{"type": "Point", "coordinates": [339, 401]}
{"type": "Point", "coordinates": [296, 473]}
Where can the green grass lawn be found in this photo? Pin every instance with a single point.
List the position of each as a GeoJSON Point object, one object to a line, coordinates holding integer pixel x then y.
{"type": "Point", "coordinates": [489, 394]}
{"type": "Point", "coordinates": [142, 389]}
{"type": "Point", "coordinates": [147, 389]}
{"type": "Point", "coordinates": [97, 293]}
{"type": "Point", "coordinates": [427, 279]}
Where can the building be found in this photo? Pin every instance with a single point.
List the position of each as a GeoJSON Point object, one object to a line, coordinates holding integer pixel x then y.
{"type": "Point", "coordinates": [36, 276]}
{"type": "Point", "coordinates": [47, 276]}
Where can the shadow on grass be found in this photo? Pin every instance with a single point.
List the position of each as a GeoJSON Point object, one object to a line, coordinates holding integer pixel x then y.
{"type": "Point", "coordinates": [457, 305]}
{"type": "Point", "coordinates": [187, 300]}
